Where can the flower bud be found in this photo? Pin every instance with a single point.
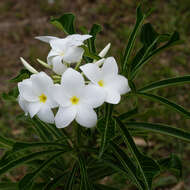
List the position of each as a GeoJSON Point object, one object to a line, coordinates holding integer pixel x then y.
{"type": "Point", "coordinates": [105, 50]}
{"type": "Point", "coordinates": [28, 66]}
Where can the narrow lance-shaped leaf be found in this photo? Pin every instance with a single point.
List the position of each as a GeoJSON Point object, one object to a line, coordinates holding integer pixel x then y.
{"type": "Point", "coordinates": [9, 186]}
{"type": "Point", "coordinates": [28, 180]}
{"type": "Point", "coordinates": [166, 102]}
{"type": "Point", "coordinates": [139, 20]}
{"type": "Point", "coordinates": [85, 183]}
{"type": "Point", "coordinates": [65, 23]}
{"type": "Point", "coordinates": [6, 142]}
{"type": "Point", "coordinates": [147, 36]}
{"type": "Point", "coordinates": [25, 159]}
{"type": "Point", "coordinates": [174, 39]}
{"type": "Point", "coordinates": [108, 123]}
{"type": "Point", "coordinates": [96, 28]}
{"type": "Point", "coordinates": [57, 181]}
{"type": "Point", "coordinates": [140, 64]}
{"type": "Point", "coordinates": [162, 129]}
{"type": "Point", "coordinates": [42, 132]}
{"type": "Point", "coordinates": [127, 165]}
{"type": "Point", "coordinates": [19, 146]}
{"type": "Point", "coordinates": [172, 164]}
{"type": "Point", "coordinates": [128, 114]}
{"type": "Point", "coordinates": [148, 168]}
{"type": "Point", "coordinates": [167, 82]}
{"type": "Point", "coordinates": [71, 178]}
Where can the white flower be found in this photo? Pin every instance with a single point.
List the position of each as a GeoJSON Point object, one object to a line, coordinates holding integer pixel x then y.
{"type": "Point", "coordinates": [107, 79]}
{"type": "Point", "coordinates": [36, 98]}
{"type": "Point", "coordinates": [28, 66]}
{"type": "Point", "coordinates": [76, 100]}
{"type": "Point", "coordinates": [64, 50]}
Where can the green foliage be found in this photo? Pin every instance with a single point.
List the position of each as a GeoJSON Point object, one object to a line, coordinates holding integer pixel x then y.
{"type": "Point", "coordinates": [65, 23]}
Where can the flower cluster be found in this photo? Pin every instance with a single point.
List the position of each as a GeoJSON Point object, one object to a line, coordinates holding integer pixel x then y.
{"type": "Point", "coordinates": [77, 94]}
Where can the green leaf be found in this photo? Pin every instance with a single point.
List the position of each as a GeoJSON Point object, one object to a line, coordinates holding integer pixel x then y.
{"type": "Point", "coordinates": [148, 34]}
{"type": "Point", "coordinates": [108, 127]}
{"type": "Point", "coordinates": [139, 20]}
{"type": "Point", "coordinates": [174, 39]}
{"type": "Point", "coordinates": [96, 28]}
{"type": "Point", "coordinates": [99, 170]}
{"type": "Point", "coordinates": [163, 129]}
{"type": "Point", "coordinates": [65, 23]}
{"type": "Point", "coordinates": [167, 82]}
{"type": "Point", "coordinates": [25, 159]}
{"type": "Point", "coordinates": [148, 168]}
{"type": "Point", "coordinates": [5, 142]}
{"type": "Point", "coordinates": [71, 178]}
{"type": "Point", "coordinates": [149, 38]}
{"type": "Point", "coordinates": [127, 164]}
{"type": "Point", "coordinates": [11, 95]}
{"type": "Point", "coordinates": [28, 180]}
{"type": "Point", "coordinates": [136, 66]}
{"type": "Point", "coordinates": [128, 114]}
{"type": "Point", "coordinates": [85, 183]}
{"type": "Point", "coordinates": [166, 102]}
{"type": "Point", "coordinates": [9, 186]}
{"type": "Point", "coordinates": [19, 146]}
{"type": "Point", "coordinates": [41, 130]}
{"type": "Point", "coordinates": [173, 164]}
{"type": "Point", "coordinates": [52, 185]}
{"type": "Point", "coordinates": [24, 74]}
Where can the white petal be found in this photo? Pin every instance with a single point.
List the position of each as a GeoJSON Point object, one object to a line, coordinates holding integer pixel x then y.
{"type": "Point", "coordinates": [92, 72]}
{"type": "Point", "coordinates": [110, 67]}
{"type": "Point", "coordinates": [105, 50]}
{"type": "Point", "coordinates": [113, 97]}
{"type": "Point", "coordinates": [73, 54]}
{"type": "Point", "coordinates": [34, 108]}
{"type": "Point", "coordinates": [77, 39]}
{"type": "Point", "coordinates": [59, 68]}
{"type": "Point", "coordinates": [94, 95]}
{"type": "Point", "coordinates": [60, 96]}
{"type": "Point", "coordinates": [54, 60]}
{"type": "Point", "coordinates": [41, 82]}
{"type": "Point", "coordinates": [99, 62]}
{"type": "Point", "coordinates": [45, 114]}
{"type": "Point", "coordinates": [120, 83]}
{"type": "Point", "coordinates": [72, 81]}
{"type": "Point", "coordinates": [46, 39]}
{"type": "Point", "coordinates": [86, 116]}
{"type": "Point", "coordinates": [23, 104]}
{"type": "Point", "coordinates": [52, 54]}
{"type": "Point", "coordinates": [59, 45]}
{"type": "Point", "coordinates": [26, 90]}
{"type": "Point", "coordinates": [65, 116]}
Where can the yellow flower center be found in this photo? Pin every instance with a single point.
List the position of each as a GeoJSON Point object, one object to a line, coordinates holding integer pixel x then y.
{"type": "Point", "coordinates": [74, 100]}
{"type": "Point", "coordinates": [101, 83]}
{"type": "Point", "coordinates": [43, 98]}
{"type": "Point", "coordinates": [61, 54]}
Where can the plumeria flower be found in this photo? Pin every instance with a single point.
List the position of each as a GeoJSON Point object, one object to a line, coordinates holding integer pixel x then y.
{"type": "Point", "coordinates": [35, 96]}
{"type": "Point", "coordinates": [107, 79]}
{"type": "Point", "coordinates": [64, 50]}
{"type": "Point", "coordinates": [76, 100]}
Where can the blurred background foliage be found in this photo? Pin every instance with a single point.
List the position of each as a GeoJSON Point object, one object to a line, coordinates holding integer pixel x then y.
{"type": "Point", "coordinates": [21, 21]}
